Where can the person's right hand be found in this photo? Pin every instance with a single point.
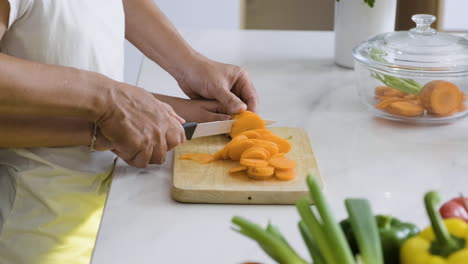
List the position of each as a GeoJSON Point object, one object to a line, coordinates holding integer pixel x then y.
{"type": "Point", "coordinates": [139, 127]}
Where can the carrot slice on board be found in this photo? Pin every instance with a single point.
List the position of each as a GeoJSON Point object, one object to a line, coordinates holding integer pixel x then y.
{"type": "Point", "coordinates": [282, 163]}
{"type": "Point", "coordinates": [237, 169]}
{"type": "Point", "coordinates": [201, 158]}
{"type": "Point", "coordinates": [283, 144]}
{"type": "Point", "coordinates": [260, 173]}
{"type": "Point", "coordinates": [246, 121]}
{"type": "Point", "coordinates": [256, 153]}
{"type": "Point", "coordinates": [237, 148]}
{"type": "Point", "coordinates": [251, 134]}
{"type": "Point", "coordinates": [272, 147]}
{"type": "Point", "coordinates": [254, 162]}
{"type": "Point", "coordinates": [285, 175]}
{"type": "Point", "coordinates": [279, 155]}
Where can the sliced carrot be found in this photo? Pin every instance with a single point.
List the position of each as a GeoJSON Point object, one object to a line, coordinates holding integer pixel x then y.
{"type": "Point", "coordinates": [441, 97]}
{"type": "Point", "coordinates": [380, 90]}
{"type": "Point", "coordinates": [256, 153]}
{"type": "Point", "coordinates": [383, 98]}
{"type": "Point", "coordinates": [251, 134]}
{"type": "Point", "coordinates": [201, 158]}
{"type": "Point", "coordinates": [246, 121]}
{"type": "Point", "coordinates": [268, 145]}
{"type": "Point", "coordinates": [254, 162]}
{"type": "Point", "coordinates": [282, 163]}
{"type": "Point", "coordinates": [385, 103]}
{"type": "Point", "coordinates": [238, 147]}
{"type": "Point", "coordinates": [411, 97]}
{"type": "Point", "coordinates": [237, 169]}
{"type": "Point", "coordinates": [394, 92]}
{"type": "Point", "coordinates": [405, 109]}
{"type": "Point", "coordinates": [229, 145]}
{"type": "Point", "coordinates": [283, 144]}
{"type": "Point", "coordinates": [285, 175]}
{"type": "Point", "coordinates": [260, 173]}
{"type": "Point", "coordinates": [278, 155]}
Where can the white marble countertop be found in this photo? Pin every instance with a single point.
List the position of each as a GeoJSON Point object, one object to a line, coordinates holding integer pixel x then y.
{"type": "Point", "coordinates": [358, 155]}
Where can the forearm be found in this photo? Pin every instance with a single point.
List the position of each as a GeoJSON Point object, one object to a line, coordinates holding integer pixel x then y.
{"type": "Point", "coordinates": [28, 132]}
{"type": "Point", "coordinates": [150, 31]}
{"type": "Point", "coordinates": [31, 88]}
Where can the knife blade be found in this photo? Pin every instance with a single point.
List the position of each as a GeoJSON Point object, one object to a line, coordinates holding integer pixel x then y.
{"type": "Point", "coordinates": [196, 130]}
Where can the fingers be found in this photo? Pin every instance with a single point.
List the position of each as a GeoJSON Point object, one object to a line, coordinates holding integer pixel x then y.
{"type": "Point", "coordinates": [244, 88]}
{"type": "Point", "coordinates": [159, 152]}
{"type": "Point", "coordinates": [211, 117]}
{"type": "Point", "coordinates": [172, 113]}
{"type": "Point", "coordinates": [231, 103]}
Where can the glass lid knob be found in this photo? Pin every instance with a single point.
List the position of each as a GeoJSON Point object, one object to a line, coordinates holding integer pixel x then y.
{"type": "Point", "coordinates": [423, 25]}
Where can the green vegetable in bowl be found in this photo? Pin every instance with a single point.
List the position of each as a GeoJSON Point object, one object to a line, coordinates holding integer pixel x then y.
{"type": "Point", "coordinates": [405, 85]}
{"type": "Point", "coordinates": [392, 231]}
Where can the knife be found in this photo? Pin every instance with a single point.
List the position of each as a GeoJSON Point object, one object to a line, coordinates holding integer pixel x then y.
{"type": "Point", "coordinates": [196, 130]}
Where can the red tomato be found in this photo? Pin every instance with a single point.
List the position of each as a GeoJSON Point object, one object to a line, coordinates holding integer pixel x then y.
{"type": "Point", "coordinates": [455, 208]}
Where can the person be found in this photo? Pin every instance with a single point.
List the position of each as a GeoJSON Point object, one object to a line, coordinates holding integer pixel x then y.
{"type": "Point", "coordinates": [62, 97]}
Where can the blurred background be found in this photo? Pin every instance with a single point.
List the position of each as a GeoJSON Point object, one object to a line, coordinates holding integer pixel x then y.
{"type": "Point", "coordinates": [451, 15]}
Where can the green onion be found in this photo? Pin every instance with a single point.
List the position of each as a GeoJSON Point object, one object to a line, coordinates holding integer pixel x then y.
{"type": "Point", "coordinates": [311, 244]}
{"type": "Point", "coordinates": [405, 85]}
{"type": "Point", "coordinates": [365, 230]}
{"type": "Point", "coordinates": [275, 247]}
{"type": "Point", "coordinates": [331, 228]}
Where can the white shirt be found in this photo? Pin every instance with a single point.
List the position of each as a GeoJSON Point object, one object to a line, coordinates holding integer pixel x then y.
{"type": "Point", "coordinates": [51, 199]}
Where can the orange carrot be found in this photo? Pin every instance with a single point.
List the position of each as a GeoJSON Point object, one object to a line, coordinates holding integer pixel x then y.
{"type": "Point", "coordinates": [405, 109]}
{"type": "Point", "coordinates": [260, 173]}
{"type": "Point", "coordinates": [283, 144]}
{"type": "Point", "coordinates": [282, 163]}
{"type": "Point", "coordinates": [441, 97]}
{"type": "Point", "coordinates": [256, 153]}
{"type": "Point", "coordinates": [237, 148]}
{"type": "Point", "coordinates": [254, 162]}
{"type": "Point", "coordinates": [237, 169]}
{"type": "Point", "coordinates": [246, 121]}
{"type": "Point", "coordinates": [285, 175]}
{"type": "Point", "coordinates": [201, 158]}
{"type": "Point", "coordinates": [380, 90]}
{"type": "Point", "coordinates": [278, 155]}
{"type": "Point", "coordinates": [386, 102]}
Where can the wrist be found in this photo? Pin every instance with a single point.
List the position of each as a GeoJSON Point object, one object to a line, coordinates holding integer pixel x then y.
{"type": "Point", "coordinates": [98, 101]}
{"type": "Point", "coordinates": [186, 65]}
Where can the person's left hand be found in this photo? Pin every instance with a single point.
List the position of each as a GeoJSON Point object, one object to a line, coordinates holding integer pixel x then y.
{"type": "Point", "coordinates": [230, 85]}
{"type": "Point", "coordinates": [195, 110]}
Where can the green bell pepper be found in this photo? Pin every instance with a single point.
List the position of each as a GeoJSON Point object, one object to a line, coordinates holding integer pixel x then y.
{"type": "Point", "coordinates": [392, 233]}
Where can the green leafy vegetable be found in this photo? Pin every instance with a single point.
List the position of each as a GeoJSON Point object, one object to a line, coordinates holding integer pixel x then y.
{"type": "Point", "coordinates": [311, 244]}
{"type": "Point", "coordinates": [272, 242]}
{"type": "Point", "coordinates": [405, 85]}
{"type": "Point", "coordinates": [365, 230]}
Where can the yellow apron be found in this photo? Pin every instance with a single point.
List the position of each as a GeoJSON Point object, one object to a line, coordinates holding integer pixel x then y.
{"type": "Point", "coordinates": [56, 200]}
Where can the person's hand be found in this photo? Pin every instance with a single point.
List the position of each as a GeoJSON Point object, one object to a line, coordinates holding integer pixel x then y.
{"type": "Point", "coordinates": [137, 127]}
{"type": "Point", "coordinates": [228, 84]}
{"type": "Point", "coordinates": [200, 111]}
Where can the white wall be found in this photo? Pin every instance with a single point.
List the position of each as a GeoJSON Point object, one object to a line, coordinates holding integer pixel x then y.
{"type": "Point", "coordinates": [454, 15]}
{"type": "Point", "coordinates": [187, 15]}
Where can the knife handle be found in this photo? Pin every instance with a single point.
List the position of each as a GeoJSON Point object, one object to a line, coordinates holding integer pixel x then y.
{"type": "Point", "coordinates": [189, 129]}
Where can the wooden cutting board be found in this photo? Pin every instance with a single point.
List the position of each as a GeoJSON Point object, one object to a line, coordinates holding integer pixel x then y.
{"type": "Point", "coordinates": [212, 183]}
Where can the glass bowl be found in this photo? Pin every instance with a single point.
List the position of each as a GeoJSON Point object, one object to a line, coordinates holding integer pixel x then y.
{"type": "Point", "coordinates": [417, 76]}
